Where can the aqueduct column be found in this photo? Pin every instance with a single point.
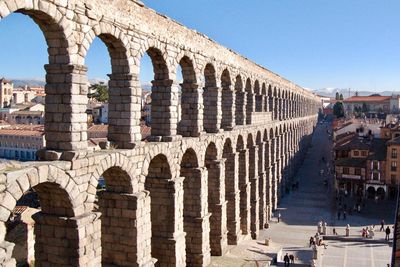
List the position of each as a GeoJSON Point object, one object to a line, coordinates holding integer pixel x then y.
{"type": "Point", "coordinates": [65, 109]}
{"type": "Point", "coordinates": [217, 206]}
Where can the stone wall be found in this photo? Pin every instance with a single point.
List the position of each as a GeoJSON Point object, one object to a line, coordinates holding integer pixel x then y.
{"type": "Point", "coordinates": [209, 180]}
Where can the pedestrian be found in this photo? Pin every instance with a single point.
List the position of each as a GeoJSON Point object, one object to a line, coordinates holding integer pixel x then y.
{"type": "Point", "coordinates": [338, 215]}
{"type": "Point", "coordinates": [279, 217]}
{"type": "Point", "coordinates": [286, 260]}
{"type": "Point", "coordinates": [291, 257]}
{"type": "Point", "coordinates": [344, 215]}
{"type": "Point", "coordinates": [387, 233]}
{"type": "Point", "coordinates": [312, 242]}
{"type": "Point", "coordinates": [334, 231]}
{"type": "Point", "coordinates": [382, 226]}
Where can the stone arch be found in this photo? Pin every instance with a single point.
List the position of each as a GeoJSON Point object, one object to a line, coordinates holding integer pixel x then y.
{"type": "Point", "coordinates": [231, 192]}
{"type": "Point", "coordinates": [164, 211]}
{"type": "Point", "coordinates": [56, 30]}
{"type": "Point", "coordinates": [190, 102]}
{"type": "Point", "coordinates": [265, 101]}
{"type": "Point", "coordinates": [60, 201]}
{"type": "Point", "coordinates": [44, 178]}
{"type": "Point", "coordinates": [161, 89]}
{"type": "Point", "coordinates": [126, 183]}
{"type": "Point", "coordinates": [240, 101]}
{"type": "Point", "coordinates": [228, 101]}
{"type": "Point", "coordinates": [258, 97]}
{"type": "Point", "coordinates": [211, 97]}
{"type": "Point", "coordinates": [123, 84]}
{"type": "Point", "coordinates": [249, 101]}
{"type": "Point", "coordinates": [216, 200]}
{"type": "Point", "coordinates": [194, 209]}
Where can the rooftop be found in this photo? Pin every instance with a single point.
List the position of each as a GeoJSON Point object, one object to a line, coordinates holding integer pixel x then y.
{"type": "Point", "coordinates": [367, 99]}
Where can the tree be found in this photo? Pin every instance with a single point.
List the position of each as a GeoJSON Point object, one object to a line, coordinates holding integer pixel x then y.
{"type": "Point", "coordinates": [338, 110]}
{"type": "Point", "coordinates": [341, 97]}
{"type": "Point", "coordinates": [337, 96]}
{"type": "Point", "coordinates": [98, 91]}
{"type": "Point", "coordinates": [364, 107]}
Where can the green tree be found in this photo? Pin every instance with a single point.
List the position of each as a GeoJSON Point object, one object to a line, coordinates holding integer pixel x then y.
{"type": "Point", "coordinates": [337, 96]}
{"type": "Point", "coordinates": [341, 97]}
{"type": "Point", "coordinates": [364, 107]}
{"type": "Point", "coordinates": [338, 110]}
{"type": "Point", "coordinates": [99, 91]}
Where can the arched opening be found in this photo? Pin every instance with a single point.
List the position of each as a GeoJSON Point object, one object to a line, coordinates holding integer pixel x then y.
{"type": "Point", "coordinates": [249, 102]}
{"type": "Point", "coordinates": [371, 192]}
{"type": "Point", "coordinates": [271, 101]}
{"type": "Point", "coordinates": [156, 92]}
{"type": "Point", "coordinates": [264, 97]}
{"type": "Point", "coordinates": [253, 181]}
{"type": "Point", "coordinates": [162, 190]}
{"type": "Point", "coordinates": [41, 64]}
{"type": "Point", "coordinates": [258, 97]}
{"type": "Point", "coordinates": [260, 174]}
{"type": "Point", "coordinates": [276, 104]}
{"type": "Point", "coordinates": [240, 101]}
{"type": "Point", "coordinates": [231, 193]}
{"type": "Point", "coordinates": [212, 97]}
{"type": "Point", "coordinates": [188, 119]}
{"type": "Point", "coordinates": [228, 102]}
{"type": "Point", "coordinates": [216, 201]}
{"type": "Point", "coordinates": [195, 216]}
{"type": "Point", "coordinates": [243, 186]}
{"type": "Point", "coordinates": [381, 193]}
{"type": "Point", "coordinates": [122, 215]}
{"type": "Point", "coordinates": [41, 227]}
{"type": "Point", "coordinates": [113, 94]}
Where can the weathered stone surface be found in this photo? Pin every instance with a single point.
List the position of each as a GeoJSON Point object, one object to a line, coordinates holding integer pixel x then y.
{"type": "Point", "coordinates": [213, 172]}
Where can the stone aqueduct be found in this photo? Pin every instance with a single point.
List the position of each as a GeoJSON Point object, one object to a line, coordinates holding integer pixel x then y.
{"type": "Point", "coordinates": [209, 180]}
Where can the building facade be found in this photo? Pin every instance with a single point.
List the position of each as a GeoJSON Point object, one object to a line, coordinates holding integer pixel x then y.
{"type": "Point", "coordinates": [21, 142]}
{"type": "Point", "coordinates": [6, 92]}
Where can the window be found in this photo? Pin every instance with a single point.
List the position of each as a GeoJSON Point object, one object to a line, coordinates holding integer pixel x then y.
{"type": "Point", "coordinates": [357, 171]}
{"type": "Point", "coordinates": [394, 153]}
{"type": "Point", "coordinates": [364, 153]}
{"type": "Point", "coordinates": [393, 166]}
{"type": "Point", "coordinates": [345, 170]}
{"type": "Point", "coordinates": [356, 153]}
{"type": "Point", "coordinates": [393, 179]}
{"type": "Point", "coordinates": [375, 165]}
{"type": "Point", "coordinates": [375, 176]}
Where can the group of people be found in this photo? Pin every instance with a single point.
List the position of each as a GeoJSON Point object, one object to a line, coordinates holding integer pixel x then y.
{"type": "Point", "coordinates": [368, 232]}
{"type": "Point", "coordinates": [387, 230]}
{"type": "Point", "coordinates": [287, 259]}
{"type": "Point", "coordinates": [317, 240]}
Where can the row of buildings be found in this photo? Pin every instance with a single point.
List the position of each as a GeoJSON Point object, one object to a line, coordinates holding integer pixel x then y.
{"type": "Point", "coordinates": [373, 104]}
{"type": "Point", "coordinates": [367, 160]}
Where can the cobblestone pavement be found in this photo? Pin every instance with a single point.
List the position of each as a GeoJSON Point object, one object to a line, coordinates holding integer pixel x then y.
{"type": "Point", "coordinates": [302, 209]}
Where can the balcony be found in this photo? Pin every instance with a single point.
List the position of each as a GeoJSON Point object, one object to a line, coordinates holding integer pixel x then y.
{"type": "Point", "coordinates": [349, 176]}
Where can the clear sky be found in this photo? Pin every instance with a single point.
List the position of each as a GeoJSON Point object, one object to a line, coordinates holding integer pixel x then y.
{"type": "Point", "coordinates": [315, 43]}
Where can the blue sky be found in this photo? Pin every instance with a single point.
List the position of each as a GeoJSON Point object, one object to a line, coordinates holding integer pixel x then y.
{"type": "Point", "coordinates": [315, 43]}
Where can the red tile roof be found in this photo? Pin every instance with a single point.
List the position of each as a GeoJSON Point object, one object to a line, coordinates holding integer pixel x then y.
{"type": "Point", "coordinates": [23, 130]}
{"type": "Point", "coordinates": [367, 99]}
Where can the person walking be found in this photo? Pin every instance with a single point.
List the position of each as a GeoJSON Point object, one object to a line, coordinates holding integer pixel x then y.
{"type": "Point", "coordinates": [291, 257]}
{"type": "Point", "coordinates": [344, 215]}
{"type": "Point", "coordinates": [286, 260]}
{"type": "Point", "coordinates": [279, 217]}
{"type": "Point", "coordinates": [387, 231]}
{"type": "Point", "coordinates": [382, 226]}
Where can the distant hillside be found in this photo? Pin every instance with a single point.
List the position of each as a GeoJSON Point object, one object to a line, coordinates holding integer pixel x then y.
{"type": "Point", "coordinates": [28, 82]}
{"type": "Point", "coordinates": [331, 92]}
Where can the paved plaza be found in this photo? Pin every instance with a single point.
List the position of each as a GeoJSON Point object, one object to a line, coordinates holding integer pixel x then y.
{"type": "Point", "coordinates": [302, 209]}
